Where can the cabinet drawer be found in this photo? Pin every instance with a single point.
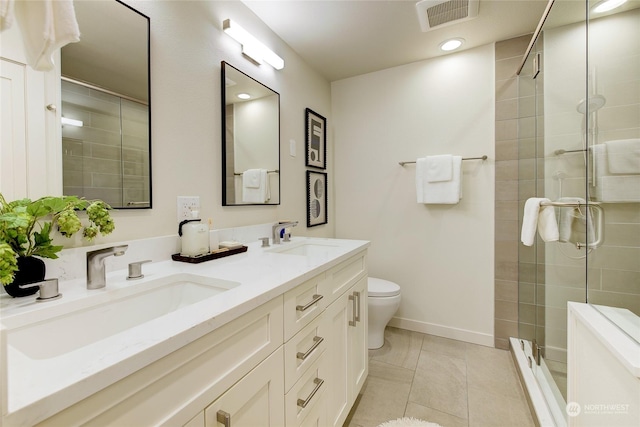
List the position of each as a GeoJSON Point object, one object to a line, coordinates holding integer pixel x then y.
{"type": "Point", "coordinates": [343, 276]}
{"type": "Point", "coordinates": [173, 389]}
{"type": "Point", "coordinates": [317, 416]}
{"type": "Point", "coordinates": [302, 351]}
{"type": "Point", "coordinates": [306, 395]}
{"type": "Point", "coordinates": [302, 304]}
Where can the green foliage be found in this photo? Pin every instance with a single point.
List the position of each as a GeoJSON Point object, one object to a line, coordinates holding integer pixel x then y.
{"type": "Point", "coordinates": [26, 226]}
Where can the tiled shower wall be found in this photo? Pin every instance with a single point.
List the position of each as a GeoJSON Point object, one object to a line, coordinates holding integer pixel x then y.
{"type": "Point", "coordinates": [508, 56]}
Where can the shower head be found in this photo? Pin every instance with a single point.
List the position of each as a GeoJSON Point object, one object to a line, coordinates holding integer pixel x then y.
{"type": "Point", "coordinates": [593, 103]}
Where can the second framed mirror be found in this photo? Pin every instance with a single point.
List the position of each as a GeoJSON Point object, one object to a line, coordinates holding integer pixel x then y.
{"type": "Point", "coordinates": [250, 140]}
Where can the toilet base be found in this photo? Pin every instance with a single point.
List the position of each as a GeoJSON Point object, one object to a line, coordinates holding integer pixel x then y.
{"type": "Point", "coordinates": [376, 339]}
{"type": "Point", "coordinates": [381, 310]}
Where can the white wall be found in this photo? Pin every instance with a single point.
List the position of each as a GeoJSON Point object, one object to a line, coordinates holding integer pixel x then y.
{"type": "Point", "coordinates": [440, 255]}
{"type": "Point", "coordinates": [187, 45]}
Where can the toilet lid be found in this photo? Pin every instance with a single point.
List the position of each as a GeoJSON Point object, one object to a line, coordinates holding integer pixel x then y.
{"type": "Point", "coordinates": [382, 288]}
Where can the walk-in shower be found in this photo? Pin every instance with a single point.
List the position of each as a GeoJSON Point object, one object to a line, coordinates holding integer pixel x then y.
{"type": "Point", "coordinates": [587, 123]}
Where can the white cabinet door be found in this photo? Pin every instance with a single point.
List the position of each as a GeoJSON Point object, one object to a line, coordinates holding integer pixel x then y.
{"type": "Point", "coordinates": [357, 338]}
{"type": "Point", "coordinates": [13, 138]}
{"type": "Point", "coordinates": [335, 325]}
{"type": "Point", "coordinates": [255, 400]}
{"type": "Point", "coordinates": [346, 355]}
{"type": "Point", "coordinates": [30, 135]}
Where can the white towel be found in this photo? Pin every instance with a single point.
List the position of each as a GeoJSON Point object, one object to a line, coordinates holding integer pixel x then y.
{"type": "Point", "coordinates": [443, 192]}
{"type": "Point", "coordinates": [252, 193]}
{"type": "Point", "coordinates": [623, 156]}
{"type": "Point", "coordinates": [575, 224]}
{"type": "Point", "coordinates": [6, 14]}
{"type": "Point", "coordinates": [439, 168]}
{"type": "Point", "coordinates": [541, 217]}
{"type": "Point", "coordinates": [251, 178]}
{"type": "Point", "coordinates": [609, 188]}
{"type": "Point", "coordinates": [46, 25]}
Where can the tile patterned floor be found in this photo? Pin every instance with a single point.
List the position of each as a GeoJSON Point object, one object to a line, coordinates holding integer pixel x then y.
{"type": "Point", "coordinates": [452, 383]}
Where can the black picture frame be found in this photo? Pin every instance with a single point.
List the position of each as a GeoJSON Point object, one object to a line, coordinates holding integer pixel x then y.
{"type": "Point", "coordinates": [315, 140]}
{"type": "Point", "coordinates": [316, 198]}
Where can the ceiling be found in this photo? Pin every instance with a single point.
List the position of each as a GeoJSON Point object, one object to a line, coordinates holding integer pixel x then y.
{"type": "Point", "coordinates": [345, 38]}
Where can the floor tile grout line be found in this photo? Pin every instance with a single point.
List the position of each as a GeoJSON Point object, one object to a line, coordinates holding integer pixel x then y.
{"type": "Point", "coordinates": [413, 378]}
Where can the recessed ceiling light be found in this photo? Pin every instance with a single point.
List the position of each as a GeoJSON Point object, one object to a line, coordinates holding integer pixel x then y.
{"type": "Point", "coordinates": [243, 96]}
{"type": "Point", "coordinates": [451, 44]}
{"type": "Point", "coordinates": [607, 5]}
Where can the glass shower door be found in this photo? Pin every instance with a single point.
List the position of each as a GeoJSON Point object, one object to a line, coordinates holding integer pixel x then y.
{"type": "Point", "coordinates": [579, 133]}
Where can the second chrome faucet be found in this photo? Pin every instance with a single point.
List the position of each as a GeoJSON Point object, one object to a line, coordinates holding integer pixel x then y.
{"type": "Point", "coordinates": [96, 275]}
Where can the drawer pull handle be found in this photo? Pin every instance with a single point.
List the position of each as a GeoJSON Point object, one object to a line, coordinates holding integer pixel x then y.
{"type": "Point", "coordinates": [352, 322]}
{"type": "Point", "coordinates": [316, 342]}
{"type": "Point", "coordinates": [357, 295]}
{"type": "Point", "coordinates": [303, 403]}
{"type": "Point", "coordinates": [315, 299]}
{"type": "Point", "coordinates": [223, 418]}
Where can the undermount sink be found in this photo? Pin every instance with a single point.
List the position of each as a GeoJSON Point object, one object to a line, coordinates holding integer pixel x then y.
{"type": "Point", "coordinates": [60, 345]}
{"type": "Point", "coordinates": [307, 248]}
{"type": "Point", "coordinates": [82, 326]}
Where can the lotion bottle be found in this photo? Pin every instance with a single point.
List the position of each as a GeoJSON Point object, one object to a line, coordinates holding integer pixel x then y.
{"type": "Point", "coordinates": [194, 236]}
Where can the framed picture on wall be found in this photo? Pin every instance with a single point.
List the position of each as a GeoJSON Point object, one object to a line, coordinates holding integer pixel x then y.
{"type": "Point", "coordinates": [316, 198]}
{"type": "Point", "coordinates": [316, 139]}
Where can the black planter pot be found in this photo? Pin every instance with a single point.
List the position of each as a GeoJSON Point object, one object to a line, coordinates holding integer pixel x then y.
{"type": "Point", "coordinates": [30, 270]}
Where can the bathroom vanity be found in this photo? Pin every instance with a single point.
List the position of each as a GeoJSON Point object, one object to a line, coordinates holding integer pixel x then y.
{"type": "Point", "coordinates": [270, 337]}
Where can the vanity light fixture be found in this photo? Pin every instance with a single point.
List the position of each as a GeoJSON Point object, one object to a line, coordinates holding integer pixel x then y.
{"type": "Point", "coordinates": [451, 44]}
{"type": "Point", "coordinates": [607, 5]}
{"type": "Point", "coordinates": [251, 46]}
{"type": "Point", "coordinates": [71, 122]}
{"type": "Point", "coordinates": [243, 96]}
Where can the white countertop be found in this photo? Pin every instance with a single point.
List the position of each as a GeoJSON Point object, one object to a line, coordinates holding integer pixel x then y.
{"type": "Point", "coordinates": [46, 385]}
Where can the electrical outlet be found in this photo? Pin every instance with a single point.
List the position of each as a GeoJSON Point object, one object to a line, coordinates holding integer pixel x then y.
{"type": "Point", "coordinates": [186, 204]}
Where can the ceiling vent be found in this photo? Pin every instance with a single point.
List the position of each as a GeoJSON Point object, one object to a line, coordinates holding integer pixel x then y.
{"type": "Point", "coordinates": [439, 13]}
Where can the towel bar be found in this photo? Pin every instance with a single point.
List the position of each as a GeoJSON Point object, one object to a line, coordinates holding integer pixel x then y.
{"type": "Point", "coordinates": [274, 171]}
{"type": "Point", "coordinates": [599, 227]}
{"type": "Point", "coordinates": [464, 158]}
{"type": "Point", "coordinates": [563, 151]}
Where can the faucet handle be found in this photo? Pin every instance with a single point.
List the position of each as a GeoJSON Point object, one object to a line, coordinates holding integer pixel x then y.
{"type": "Point", "coordinates": [48, 289]}
{"type": "Point", "coordinates": [135, 269]}
{"type": "Point", "coordinates": [265, 242]}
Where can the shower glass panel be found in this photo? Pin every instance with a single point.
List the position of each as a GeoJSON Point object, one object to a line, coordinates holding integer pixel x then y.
{"type": "Point", "coordinates": [578, 139]}
{"type": "Point", "coordinates": [105, 148]}
{"type": "Point", "coordinates": [614, 130]}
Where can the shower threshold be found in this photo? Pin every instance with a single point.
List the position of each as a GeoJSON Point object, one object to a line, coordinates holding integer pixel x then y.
{"type": "Point", "coordinates": [547, 413]}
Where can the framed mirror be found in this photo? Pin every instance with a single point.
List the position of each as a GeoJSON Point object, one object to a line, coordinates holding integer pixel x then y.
{"type": "Point", "coordinates": [250, 140]}
{"type": "Point", "coordinates": [106, 106]}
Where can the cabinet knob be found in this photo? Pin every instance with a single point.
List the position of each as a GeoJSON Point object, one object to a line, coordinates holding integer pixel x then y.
{"type": "Point", "coordinates": [52, 107]}
{"type": "Point", "coordinates": [223, 418]}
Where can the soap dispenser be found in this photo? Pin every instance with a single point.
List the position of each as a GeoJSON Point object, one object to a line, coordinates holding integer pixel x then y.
{"type": "Point", "coordinates": [194, 236]}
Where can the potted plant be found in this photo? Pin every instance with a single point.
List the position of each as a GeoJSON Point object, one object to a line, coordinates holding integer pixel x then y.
{"type": "Point", "coordinates": [25, 234]}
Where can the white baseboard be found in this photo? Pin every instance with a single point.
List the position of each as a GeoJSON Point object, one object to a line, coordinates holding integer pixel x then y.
{"type": "Point", "coordinates": [443, 331]}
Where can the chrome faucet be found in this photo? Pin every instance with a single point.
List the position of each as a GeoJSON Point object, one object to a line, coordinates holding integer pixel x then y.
{"type": "Point", "coordinates": [277, 228]}
{"type": "Point", "coordinates": [96, 277]}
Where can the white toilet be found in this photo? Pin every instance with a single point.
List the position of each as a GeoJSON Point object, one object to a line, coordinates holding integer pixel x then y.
{"type": "Point", "coordinates": [383, 301]}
